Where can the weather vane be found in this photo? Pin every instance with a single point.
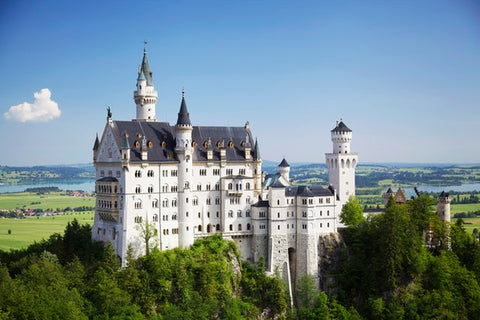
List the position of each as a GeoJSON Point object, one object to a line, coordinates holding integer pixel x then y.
{"type": "Point", "coordinates": [145, 45]}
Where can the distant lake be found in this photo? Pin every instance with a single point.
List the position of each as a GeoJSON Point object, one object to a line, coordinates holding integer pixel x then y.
{"type": "Point", "coordinates": [84, 185]}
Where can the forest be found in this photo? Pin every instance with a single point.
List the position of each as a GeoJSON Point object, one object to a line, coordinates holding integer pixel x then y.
{"type": "Point", "coordinates": [401, 264]}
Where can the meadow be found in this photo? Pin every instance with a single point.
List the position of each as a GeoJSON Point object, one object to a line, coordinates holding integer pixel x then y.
{"type": "Point", "coordinates": [26, 231]}
{"type": "Point", "coordinates": [53, 200]}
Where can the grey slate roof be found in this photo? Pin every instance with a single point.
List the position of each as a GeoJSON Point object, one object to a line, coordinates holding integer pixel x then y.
{"type": "Point", "coordinates": [262, 204]}
{"type": "Point", "coordinates": [163, 133]}
{"type": "Point", "coordinates": [284, 163]}
{"type": "Point", "coordinates": [256, 151]}
{"type": "Point", "coordinates": [145, 68]}
{"type": "Point", "coordinates": [341, 127]}
{"type": "Point", "coordinates": [96, 144]}
{"type": "Point", "coordinates": [273, 180]}
{"type": "Point", "coordinates": [308, 191]}
{"type": "Point", "coordinates": [183, 115]}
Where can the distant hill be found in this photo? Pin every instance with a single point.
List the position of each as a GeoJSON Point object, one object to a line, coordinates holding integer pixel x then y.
{"type": "Point", "coordinates": [37, 174]}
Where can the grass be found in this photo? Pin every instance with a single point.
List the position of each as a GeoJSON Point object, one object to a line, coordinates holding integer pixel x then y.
{"type": "Point", "coordinates": [469, 207]}
{"type": "Point", "coordinates": [53, 200]}
{"type": "Point", "coordinates": [28, 230]}
{"type": "Point", "coordinates": [470, 223]}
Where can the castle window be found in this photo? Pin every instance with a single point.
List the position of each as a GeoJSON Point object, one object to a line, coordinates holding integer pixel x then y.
{"type": "Point", "coordinates": [278, 227]}
{"type": "Point", "coordinates": [205, 144]}
{"type": "Point", "coordinates": [137, 189]}
{"type": "Point", "coordinates": [304, 201]}
{"type": "Point", "coordinates": [304, 214]}
{"type": "Point", "coordinates": [102, 173]}
{"type": "Point", "coordinates": [328, 225]}
{"type": "Point", "coordinates": [174, 217]}
{"type": "Point", "coordinates": [230, 214]}
{"type": "Point", "coordinates": [239, 227]}
{"type": "Point", "coordinates": [217, 186]}
{"type": "Point", "coordinates": [216, 172]}
{"type": "Point", "coordinates": [138, 204]}
{"type": "Point", "coordinates": [199, 228]}
{"type": "Point", "coordinates": [278, 202]}
{"type": "Point", "coordinates": [230, 186]}
{"type": "Point", "coordinates": [219, 144]}
{"type": "Point", "coordinates": [230, 144]}
{"type": "Point", "coordinates": [150, 189]}
{"type": "Point", "coordinates": [164, 144]}
{"type": "Point", "coordinates": [174, 173]}
{"type": "Point", "coordinates": [310, 201]}
{"type": "Point", "coordinates": [229, 172]}
{"type": "Point", "coordinates": [321, 225]}
{"type": "Point", "coordinates": [248, 226]}
{"type": "Point", "coordinates": [208, 187]}
{"type": "Point", "coordinates": [278, 215]}
{"type": "Point", "coordinates": [230, 227]}
{"type": "Point", "coordinates": [320, 200]}
{"type": "Point", "coordinates": [137, 144]}
{"type": "Point", "coordinates": [165, 203]}
{"type": "Point", "coordinates": [239, 213]}
{"type": "Point", "coordinates": [138, 219]}
{"type": "Point", "coordinates": [328, 200]}
{"type": "Point", "coordinates": [199, 187]}
{"type": "Point", "coordinates": [218, 227]}
{"type": "Point", "coordinates": [175, 231]}
{"type": "Point", "coordinates": [138, 173]}
{"type": "Point", "coordinates": [208, 201]}
{"type": "Point", "coordinates": [241, 172]}
{"type": "Point", "coordinates": [247, 186]}
{"type": "Point", "coordinates": [174, 202]}
{"type": "Point", "coordinates": [321, 213]}
{"type": "Point", "coordinates": [139, 135]}
{"type": "Point", "coordinates": [328, 212]}
{"type": "Point", "coordinates": [247, 213]}
{"type": "Point", "coordinates": [203, 172]}
{"type": "Point", "coordinates": [155, 218]}
{"type": "Point", "coordinates": [194, 144]}
{"type": "Point", "coordinates": [150, 144]}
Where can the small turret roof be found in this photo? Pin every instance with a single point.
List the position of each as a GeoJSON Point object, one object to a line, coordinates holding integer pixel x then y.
{"type": "Point", "coordinates": [145, 69]}
{"type": "Point", "coordinates": [341, 127]}
{"type": "Point", "coordinates": [284, 164]}
{"type": "Point", "coordinates": [96, 144]}
{"type": "Point", "coordinates": [256, 151]}
{"type": "Point", "coordinates": [126, 145]}
{"type": "Point", "coordinates": [443, 195]}
{"type": "Point", "coordinates": [141, 75]}
{"type": "Point", "coordinates": [183, 115]}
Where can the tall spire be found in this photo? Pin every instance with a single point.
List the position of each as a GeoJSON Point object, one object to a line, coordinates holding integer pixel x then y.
{"type": "Point", "coordinates": [145, 69]}
{"type": "Point", "coordinates": [256, 151]}
{"type": "Point", "coordinates": [183, 115]}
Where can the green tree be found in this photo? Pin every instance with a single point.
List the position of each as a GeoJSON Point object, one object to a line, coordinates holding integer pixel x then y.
{"type": "Point", "coordinates": [352, 212]}
{"type": "Point", "coordinates": [148, 235]}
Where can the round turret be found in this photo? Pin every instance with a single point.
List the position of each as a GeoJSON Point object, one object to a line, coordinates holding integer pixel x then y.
{"type": "Point", "coordinates": [341, 138]}
{"type": "Point", "coordinates": [284, 170]}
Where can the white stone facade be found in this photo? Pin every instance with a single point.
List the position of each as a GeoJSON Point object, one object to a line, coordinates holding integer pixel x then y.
{"type": "Point", "coordinates": [189, 182]}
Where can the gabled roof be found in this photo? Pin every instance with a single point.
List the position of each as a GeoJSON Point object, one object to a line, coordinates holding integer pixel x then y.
{"type": "Point", "coordinates": [126, 145]}
{"type": "Point", "coordinates": [308, 191]}
{"type": "Point", "coordinates": [262, 204]}
{"type": "Point", "coordinates": [443, 195]}
{"type": "Point", "coordinates": [341, 127]}
{"type": "Point", "coordinates": [162, 138]}
{"type": "Point", "coordinates": [284, 164]}
{"type": "Point", "coordinates": [183, 115]}
{"type": "Point", "coordinates": [274, 180]}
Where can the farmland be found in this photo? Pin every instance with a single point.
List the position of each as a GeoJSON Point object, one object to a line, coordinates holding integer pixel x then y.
{"type": "Point", "coordinates": [28, 230]}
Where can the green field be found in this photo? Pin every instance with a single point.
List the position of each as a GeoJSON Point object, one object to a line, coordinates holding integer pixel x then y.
{"type": "Point", "coordinates": [26, 231]}
{"type": "Point", "coordinates": [53, 200]}
{"type": "Point", "coordinates": [470, 223]}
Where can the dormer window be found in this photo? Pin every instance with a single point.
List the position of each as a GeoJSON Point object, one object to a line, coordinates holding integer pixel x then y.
{"type": "Point", "coordinates": [137, 144]}
{"type": "Point", "coordinates": [139, 135]}
{"type": "Point", "coordinates": [230, 144]}
{"type": "Point", "coordinates": [194, 144]}
{"type": "Point", "coordinates": [205, 144]}
{"type": "Point", "coordinates": [219, 144]}
{"type": "Point", "coordinates": [150, 144]}
{"type": "Point", "coordinates": [164, 144]}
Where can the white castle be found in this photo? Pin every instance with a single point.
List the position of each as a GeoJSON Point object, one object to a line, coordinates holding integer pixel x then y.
{"type": "Point", "coordinates": [190, 182]}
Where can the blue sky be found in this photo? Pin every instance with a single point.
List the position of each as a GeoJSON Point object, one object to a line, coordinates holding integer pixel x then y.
{"type": "Point", "coordinates": [403, 75]}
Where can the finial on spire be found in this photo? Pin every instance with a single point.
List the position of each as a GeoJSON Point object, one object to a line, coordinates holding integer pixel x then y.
{"type": "Point", "coordinates": [183, 92]}
{"type": "Point", "coordinates": [109, 112]}
{"type": "Point", "coordinates": [145, 46]}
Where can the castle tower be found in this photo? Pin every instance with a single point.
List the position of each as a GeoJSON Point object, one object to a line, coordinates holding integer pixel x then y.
{"type": "Point", "coordinates": [145, 96]}
{"type": "Point", "coordinates": [443, 206]}
{"type": "Point", "coordinates": [257, 173]}
{"type": "Point", "coordinates": [341, 163]}
{"type": "Point", "coordinates": [183, 149]}
{"type": "Point", "coordinates": [284, 170]}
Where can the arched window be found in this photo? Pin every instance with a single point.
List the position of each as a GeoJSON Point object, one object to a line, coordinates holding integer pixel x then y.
{"type": "Point", "coordinates": [247, 186]}
{"type": "Point", "coordinates": [248, 226]}
{"type": "Point", "coordinates": [230, 227]}
{"type": "Point", "coordinates": [239, 227]}
{"type": "Point", "coordinates": [230, 186]}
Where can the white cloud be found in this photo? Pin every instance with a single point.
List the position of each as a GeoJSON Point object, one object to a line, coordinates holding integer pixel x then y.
{"type": "Point", "coordinates": [41, 110]}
